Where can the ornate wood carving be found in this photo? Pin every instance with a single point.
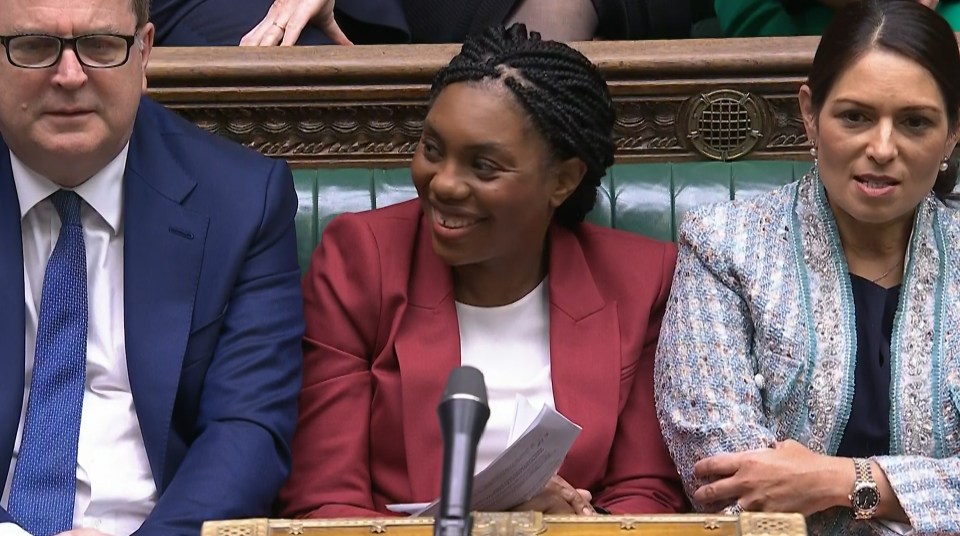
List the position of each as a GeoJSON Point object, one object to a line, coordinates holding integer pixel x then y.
{"type": "Point", "coordinates": [364, 105]}
{"type": "Point", "coordinates": [318, 133]}
{"type": "Point", "coordinates": [524, 524]}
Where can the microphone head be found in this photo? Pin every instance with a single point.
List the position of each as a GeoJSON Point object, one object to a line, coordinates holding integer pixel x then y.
{"type": "Point", "coordinates": [465, 383]}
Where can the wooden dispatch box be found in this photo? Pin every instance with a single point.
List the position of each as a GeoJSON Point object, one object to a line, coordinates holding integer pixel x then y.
{"type": "Point", "coordinates": [526, 524]}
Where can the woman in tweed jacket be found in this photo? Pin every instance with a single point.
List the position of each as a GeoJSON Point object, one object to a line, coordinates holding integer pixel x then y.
{"type": "Point", "coordinates": [809, 360]}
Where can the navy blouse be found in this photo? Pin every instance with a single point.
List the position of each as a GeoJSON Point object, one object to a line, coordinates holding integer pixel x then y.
{"type": "Point", "coordinates": [868, 429]}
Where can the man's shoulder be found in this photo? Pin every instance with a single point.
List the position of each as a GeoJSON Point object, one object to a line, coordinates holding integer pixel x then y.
{"type": "Point", "coordinates": [232, 185]}
{"type": "Point", "coordinates": [195, 149]}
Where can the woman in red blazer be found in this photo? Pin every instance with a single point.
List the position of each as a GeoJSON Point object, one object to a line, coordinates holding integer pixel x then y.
{"type": "Point", "coordinates": [517, 138]}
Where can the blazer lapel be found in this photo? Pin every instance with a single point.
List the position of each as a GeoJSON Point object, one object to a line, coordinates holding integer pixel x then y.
{"type": "Point", "coordinates": [584, 348]}
{"type": "Point", "coordinates": [163, 250]}
{"type": "Point", "coordinates": [427, 348]}
{"type": "Point", "coordinates": [584, 355]}
{"type": "Point", "coordinates": [11, 313]}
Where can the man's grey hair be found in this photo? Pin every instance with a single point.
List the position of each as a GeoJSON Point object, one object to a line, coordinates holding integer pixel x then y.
{"type": "Point", "coordinates": [141, 8]}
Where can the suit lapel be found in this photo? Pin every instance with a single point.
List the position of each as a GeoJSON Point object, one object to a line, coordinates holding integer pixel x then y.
{"type": "Point", "coordinates": [11, 312]}
{"type": "Point", "coordinates": [427, 348]}
{"type": "Point", "coordinates": [163, 250]}
{"type": "Point", "coordinates": [584, 355]}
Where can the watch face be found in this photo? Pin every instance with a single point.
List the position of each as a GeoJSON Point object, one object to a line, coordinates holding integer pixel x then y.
{"type": "Point", "coordinates": [866, 498]}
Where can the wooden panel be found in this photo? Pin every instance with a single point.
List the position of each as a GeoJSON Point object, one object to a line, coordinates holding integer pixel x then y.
{"type": "Point", "coordinates": [527, 524]}
{"type": "Point", "coordinates": [364, 105]}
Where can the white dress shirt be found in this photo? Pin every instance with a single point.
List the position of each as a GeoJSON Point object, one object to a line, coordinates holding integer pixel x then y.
{"type": "Point", "coordinates": [510, 345]}
{"type": "Point", "coordinates": [115, 487]}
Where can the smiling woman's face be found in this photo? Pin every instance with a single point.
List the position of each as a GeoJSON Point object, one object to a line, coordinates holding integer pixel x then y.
{"type": "Point", "coordinates": [484, 177]}
{"type": "Point", "coordinates": [881, 135]}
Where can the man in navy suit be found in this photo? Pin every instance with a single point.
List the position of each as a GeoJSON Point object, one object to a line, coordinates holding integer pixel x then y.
{"type": "Point", "coordinates": [150, 312]}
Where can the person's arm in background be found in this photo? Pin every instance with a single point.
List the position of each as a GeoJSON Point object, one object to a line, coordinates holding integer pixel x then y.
{"type": "Point", "coordinates": [643, 19]}
{"type": "Point", "coordinates": [755, 18]}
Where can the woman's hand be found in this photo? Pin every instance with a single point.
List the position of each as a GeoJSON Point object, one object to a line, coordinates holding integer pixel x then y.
{"type": "Point", "coordinates": [287, 18]}
{"type": "Point", "coordinates": [787, 478]}
{"type": "Point", "coordinates": [559, 497]}
{"type": "Point", "coordinates": [932, 4]}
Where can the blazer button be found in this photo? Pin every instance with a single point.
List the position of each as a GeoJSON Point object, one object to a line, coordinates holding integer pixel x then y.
{"type": "Point", "coordinates": [759, 381]}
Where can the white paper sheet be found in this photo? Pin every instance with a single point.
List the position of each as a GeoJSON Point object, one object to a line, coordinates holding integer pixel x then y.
{"type": "Point", "coordinates": [523, 469]}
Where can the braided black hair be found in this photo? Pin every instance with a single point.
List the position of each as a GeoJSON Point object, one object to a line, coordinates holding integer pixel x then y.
{"type": "Point", "coordinates": [564, 93]}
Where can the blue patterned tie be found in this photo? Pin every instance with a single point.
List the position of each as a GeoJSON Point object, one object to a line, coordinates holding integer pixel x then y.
{"type": "Point", "coordinates": [44, 481]}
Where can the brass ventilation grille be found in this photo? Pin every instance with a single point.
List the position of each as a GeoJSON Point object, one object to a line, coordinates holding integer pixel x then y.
{"type": "Point", "coordinates": [725, 124]}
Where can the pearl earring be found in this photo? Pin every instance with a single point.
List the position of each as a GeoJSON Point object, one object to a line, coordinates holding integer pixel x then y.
{"type": "Point", "coordinates": [945, 164]}
{"type": "Point", "coordinates": [815, 169]}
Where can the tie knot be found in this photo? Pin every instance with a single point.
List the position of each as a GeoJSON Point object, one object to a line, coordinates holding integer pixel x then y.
{"type": "Point", "coordinates": [68, 206]}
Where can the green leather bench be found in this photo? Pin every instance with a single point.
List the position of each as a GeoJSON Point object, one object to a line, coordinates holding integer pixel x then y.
{"type": "Point", "coordinates": [645, 198]}
{"type": "Point", "coordinates": [348, 119]}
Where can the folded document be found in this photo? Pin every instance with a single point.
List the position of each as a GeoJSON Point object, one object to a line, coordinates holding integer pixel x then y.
{"type": "Point", "coordinates": [539, 442]}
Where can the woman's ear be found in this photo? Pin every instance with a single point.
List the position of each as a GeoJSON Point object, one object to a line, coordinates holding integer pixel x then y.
{"type": "Point", "coordinates": [569, 174]}
{"type": "Point", "coordinates": [808, 113]}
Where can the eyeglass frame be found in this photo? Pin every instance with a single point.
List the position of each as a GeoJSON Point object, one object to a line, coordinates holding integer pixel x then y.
{"type": "Point", "coordinates": [70, 42]}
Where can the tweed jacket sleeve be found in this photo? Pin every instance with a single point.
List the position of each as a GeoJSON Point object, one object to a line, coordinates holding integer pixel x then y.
{"type": "Point", "coordinates": [928, 490]}
{"type": "Point", "coordinates": [707, 400]}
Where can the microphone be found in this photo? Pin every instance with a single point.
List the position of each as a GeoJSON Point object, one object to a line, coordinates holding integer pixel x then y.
{"type": "Point", "coordinates": [463, 412]}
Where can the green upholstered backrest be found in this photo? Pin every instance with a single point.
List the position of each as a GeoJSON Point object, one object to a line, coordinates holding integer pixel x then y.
{"type": "Point", "coordinates": [644, 198]}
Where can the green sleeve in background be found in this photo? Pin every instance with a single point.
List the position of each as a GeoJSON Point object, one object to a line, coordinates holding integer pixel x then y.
{"type": "Point", "coordinates": [951, 12]}
{"type": "Point", "coordinates": [759, 18]}
{"type": "Point", "coordinates": [750, 18]}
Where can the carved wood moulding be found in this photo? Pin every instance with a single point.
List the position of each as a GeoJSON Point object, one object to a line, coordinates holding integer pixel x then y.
{"type": "Point", "coordinates": [527, 524]}
{"type": "Point", "coordinates": [337, 106]}
{"type": "Point", "coordinates": [318, 133]}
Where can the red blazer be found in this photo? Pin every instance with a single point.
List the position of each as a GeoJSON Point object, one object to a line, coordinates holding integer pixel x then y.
{"type": "Point", "coordinates": [382, 336]}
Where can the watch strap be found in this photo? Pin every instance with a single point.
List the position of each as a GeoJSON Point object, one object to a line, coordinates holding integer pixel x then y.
{"type": "Point", "coordinates": [864, 480]}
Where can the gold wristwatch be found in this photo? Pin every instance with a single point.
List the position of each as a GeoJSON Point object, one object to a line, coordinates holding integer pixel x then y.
{"type": "Point", "coordinates": [865, 498]}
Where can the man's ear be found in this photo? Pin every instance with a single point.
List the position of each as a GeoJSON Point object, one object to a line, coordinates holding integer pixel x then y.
{"type": "Point", "coordinates": [570, 173]}
{"type": "Point", "coordinates": [145, 48]}
{"type": "Point", "coordinates": [808, 113]}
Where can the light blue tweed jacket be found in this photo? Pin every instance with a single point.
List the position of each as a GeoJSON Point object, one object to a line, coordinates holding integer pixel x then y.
{"type": "Point", "coordinates": [759, 344]}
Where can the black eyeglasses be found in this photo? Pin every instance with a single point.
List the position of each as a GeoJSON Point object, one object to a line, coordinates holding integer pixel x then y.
{"type": "Point", "coordinates": [39, 51]}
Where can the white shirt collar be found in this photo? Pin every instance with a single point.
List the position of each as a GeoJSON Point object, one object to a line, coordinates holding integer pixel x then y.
{"type": "Point", "coordinates": [103, 191]}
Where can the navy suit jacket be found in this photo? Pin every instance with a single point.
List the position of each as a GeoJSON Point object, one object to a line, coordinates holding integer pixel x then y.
{"type": "Point", "coordinates": [213, 319]}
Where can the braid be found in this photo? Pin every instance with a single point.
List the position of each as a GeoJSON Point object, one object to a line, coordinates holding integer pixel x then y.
{"type": "Point", "coordinates": [565, 95]}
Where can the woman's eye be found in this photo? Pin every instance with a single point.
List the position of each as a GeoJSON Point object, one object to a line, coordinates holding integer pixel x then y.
{"type": "Point", "coordinates": [917, 122]}
{"type": "Point", "coordinates": [485, 167]}
{"type": "Point", "coordinates": [852, 117]}
{"type": "Point", "coordinates": [429, 149]}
